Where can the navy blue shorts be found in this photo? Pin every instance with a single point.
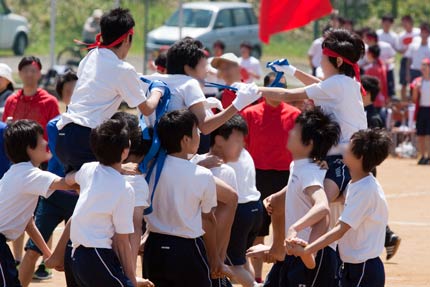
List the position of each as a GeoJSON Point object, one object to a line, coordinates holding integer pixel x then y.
{"type": "Point", "coordinates": [338, 172]}
{"type": "Point", "coordinates": [68, 272]}
{"type": "Point", "coordinates": [49, 214]}
{"type": "Point", "coordinates": [292, 272]}
{"type": "Point", "coordinates": [73, 147]}
{"type": "Point", "coordinates": [8, 271]}
{"type": "Point", "coordinates": [172, 261]}
{"type": "Point", "coordinates": [246, 226]}
{"type": "Point", "coordinates": [98, 267]}
{"type": "Point", "coordinates": [423, 121]}
{"type": "Point", "coordinates": [269, 182]}
{"type": "Point", "coordinates": [402, 72]}
{"type": "Point", "coordinates": [368, 274]}
{"type": "Point", "coordinates": [415, 74]}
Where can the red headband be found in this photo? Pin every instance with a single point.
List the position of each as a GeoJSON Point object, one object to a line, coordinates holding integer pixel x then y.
{"type": "Point", "coordinates": [98, 44]}
{"type": "Point", "coordinates": [331, 53]}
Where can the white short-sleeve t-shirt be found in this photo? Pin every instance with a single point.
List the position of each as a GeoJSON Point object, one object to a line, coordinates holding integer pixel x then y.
{"type": "Point", "coordinates": [304, 174]}
{"type": "Point", "coordinates": [406, 38]}
{"type": "Point", "coordinates": [245, 176]}
{"type": "Point", "coordinates": [105, 206]}
{"type": "Point", "coordinates": [224, 172]}
{"type": "Point", "coordinates": [390, 37]}
{"type": "Point", "coordinates": [253, 65]}
{"type": "Point", "coordinates": [20, 189]}
{"type": "Point", "coordinates": [184, 191]}
{"type": "Point", "coordinates": [104, 81]}
{"type": "Point", "coordinates": [366, 211]}
{"type": "Point", "coordinates": [340, 96]}
{"type": "Point", "coordinates": [417, 53]}
{"type": "Point", "coordinates": [315, 51]}
{"type": "Point", "coordinates": [387, 54]}
{"type": "Point", "coordinates": [140, 187]}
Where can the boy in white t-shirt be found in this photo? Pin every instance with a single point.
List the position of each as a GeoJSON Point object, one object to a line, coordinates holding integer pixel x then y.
{"type": "Point", "coordinates": [182, 225]}
{"type": "Point", "coordinates": [306, 207]}
{"type": "Point", "coordinates": [338, 94]}
{"type": "Point", "coordinates": [20, 189]}
{"type": "Point", "coordinates": [96, 222]}
{"type": "Point", "coordinates": [105, 80]}
{"type": "Point", "coordinates": [251, 67]}
{"type": "Point", "coordinates": [227, 143]}
{"type": "Point", "coordinates": [361, 227]}
{"type": "Point", "coordinates": [186, 73]}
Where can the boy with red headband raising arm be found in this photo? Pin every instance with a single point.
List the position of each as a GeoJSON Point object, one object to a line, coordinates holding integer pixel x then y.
{"type": "Point", "coordinates": [105, 80]}
{"type": "Point", "coordinates": [339, 94]}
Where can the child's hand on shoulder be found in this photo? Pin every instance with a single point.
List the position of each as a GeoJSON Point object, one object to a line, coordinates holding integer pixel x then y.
{"type": "Point", "coordinates": [130, 168]}
{"type": "Point", "coordinates": [211, 162]}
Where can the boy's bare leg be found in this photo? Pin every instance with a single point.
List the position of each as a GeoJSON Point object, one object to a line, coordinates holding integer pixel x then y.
{"type": "Point", "coordinates": [257, 262]}
{"type": "Point", "coordinates": [18, 247]}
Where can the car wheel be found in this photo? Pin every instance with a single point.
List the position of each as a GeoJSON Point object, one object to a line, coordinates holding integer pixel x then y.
{"type": "Point", "coordinates": [256, 51]}
{"type": "Point", "coordinates": [20, 44]}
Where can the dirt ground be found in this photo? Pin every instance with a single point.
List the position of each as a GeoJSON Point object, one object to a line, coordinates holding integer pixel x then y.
{"type": "Point", "coordinates": [407, 187]}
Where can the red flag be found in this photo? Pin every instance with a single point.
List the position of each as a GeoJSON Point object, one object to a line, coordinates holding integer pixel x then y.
{"type": "Point", "coordinates": [283, 15]}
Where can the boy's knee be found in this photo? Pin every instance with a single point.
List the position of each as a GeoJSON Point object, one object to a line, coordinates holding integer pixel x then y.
{"type": "Point", "coordinates": [31, 254]}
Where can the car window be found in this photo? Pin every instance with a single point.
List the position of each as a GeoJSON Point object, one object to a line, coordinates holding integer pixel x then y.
{"type": "Point", "coordinates": [251, 16]}
{"type": "Point", "coordinates": [196, 18]}
{"type": "Point", "coordinates": [240, 17]}
{"type": "Point", "coordinates": [224, 19]}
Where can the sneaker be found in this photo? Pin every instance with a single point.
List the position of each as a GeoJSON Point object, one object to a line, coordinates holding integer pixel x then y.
{"type": "Point", "coordinates": [42, 273]}
{"type": "Point", "coordinates": [422, 161]}
{"type": "Point", "coordinates": [426, 161]}
{"type": "Point", "coordinates": [393, 245]}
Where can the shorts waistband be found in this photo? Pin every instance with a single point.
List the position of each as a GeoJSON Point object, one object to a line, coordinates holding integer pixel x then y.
{"type": "Point", "coordinates": [161, 235]}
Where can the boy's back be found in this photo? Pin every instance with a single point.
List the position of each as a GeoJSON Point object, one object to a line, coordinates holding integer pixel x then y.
{"type": "Point", "coordinates": [340, 95]}
{"type": "Point", "coordinates": [105, 206]}
{"type": "Point", "coordinates": [184, 191]}
{"type": "Point", "coordinates": [366, 211]}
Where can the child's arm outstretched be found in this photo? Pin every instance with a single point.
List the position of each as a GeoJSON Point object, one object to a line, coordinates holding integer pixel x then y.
{"type": "Point", "coordinates": [151, 103]}
{"type": "Point", "coordinates": [56, 260]}
{"type": "Point", "coordinates": [318, 213]}
{"type": "Point", "coordinates": [210, 238]}
{"type": "Point", "coordinates": [227, 203]}
{"type": "Point", "coordinates": [328, 238]}
{"type": "Point", "coordinates": [37, 238]}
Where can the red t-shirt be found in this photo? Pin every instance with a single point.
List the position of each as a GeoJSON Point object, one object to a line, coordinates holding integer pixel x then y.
{"type": "Point", "coordinates": [42, 107]}
{"type": "Point", "coordinates": [379, 71]}
{"type": "Point", "coordinates": [268, 134]}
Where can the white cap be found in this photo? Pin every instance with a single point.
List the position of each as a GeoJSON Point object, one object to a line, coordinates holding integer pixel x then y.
{"type": "Point", "coordinates": [6, 72]}
{"type": "Point", "coordinates": [97, 13]}
{"type": "Point", "coordinates": [227, 57]}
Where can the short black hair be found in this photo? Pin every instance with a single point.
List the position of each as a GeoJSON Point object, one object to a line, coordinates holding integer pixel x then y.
{"type": "Point", "coordinates": [371, 85]}
{"type": "Point", "coordinates": [172, 128]}
{"type": "Point", "coordinates": [18, 137]}
{"type": "Point", "coordinates": [161, 60]}
{"type": "Point", "coordinates": [268, 79]}
{"type": "Point", "coordinates": [109, 140]}
{"type": "Point", "coordinates": [138, 147]}
{"type": "Point", "coordinates": [347, 45]}
{"type": "Point", "coordinates": [115, 24]}
{"type": "Point", "coordinates": [67, 77]}
{"type": "Point", "coordinates": [375, 51]}
{"type": "Point", "coordinates": [408, 18]}
{"type": "Point", "coordinates": [187, 51]}
{"type": "Point", "coordinates": [219, 43]}
{"type": "Point", "coordinates": [28, 60]}
{"type": "Point", "coordinates": [425, 26]}
{"type": "Point", "coordinates": [372, 34]}
{"type": "Point", "coordinates": [235, 123]}
{"type": "Point", "coordinates": [319, 128]}
{"type": "Point", "coordinates": [246, 44]}
{"type": "Point", "coordinates": [372, 145]}
{"type": "Point", "coordinates": [388, 18]}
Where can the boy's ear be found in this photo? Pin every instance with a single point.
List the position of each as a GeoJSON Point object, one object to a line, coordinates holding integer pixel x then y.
{"type": "Point", "coordinates": [339, 62]}
{"type": "Point", "coordinates": [124, 154]}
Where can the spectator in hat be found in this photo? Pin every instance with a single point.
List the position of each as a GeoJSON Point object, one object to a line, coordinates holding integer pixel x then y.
{"type": "Point", "coordinates": [92, 26]}
{"type": "Point", "coordinates": [6, 85]}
